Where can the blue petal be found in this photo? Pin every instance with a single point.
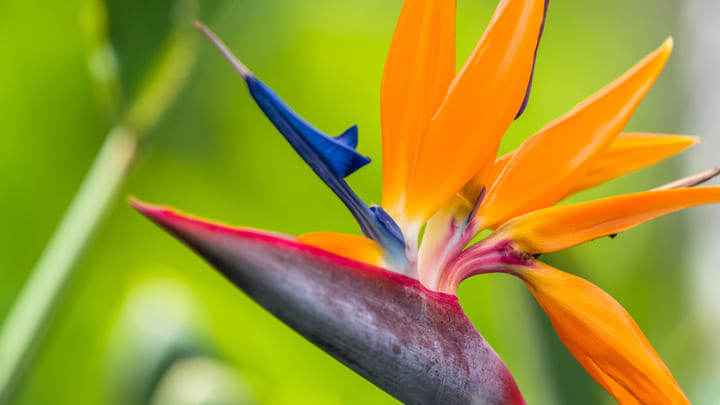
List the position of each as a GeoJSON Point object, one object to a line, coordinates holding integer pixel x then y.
{"type": "Point", "coordinates": [339, 156]}
{"type": "Point", "coordinates": [332, 159]}
{"type": "Point", "coordinates": [387, 222]}
{"type": "Point", "coordinates": [349, 137]}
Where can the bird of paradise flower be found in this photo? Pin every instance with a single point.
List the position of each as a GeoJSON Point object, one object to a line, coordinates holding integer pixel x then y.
{"type": "Point", "coordinates": [384, 304]}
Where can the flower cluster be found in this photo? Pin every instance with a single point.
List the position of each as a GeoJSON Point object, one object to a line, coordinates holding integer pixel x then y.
{"type": "Point", "coordinates": [442, 179]}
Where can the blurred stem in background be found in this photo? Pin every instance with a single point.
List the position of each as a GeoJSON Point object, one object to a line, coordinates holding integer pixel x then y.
{"type": "Point", "coordinates": [29, 317]}
{"type": "Point", "coordinates": [702, 29]}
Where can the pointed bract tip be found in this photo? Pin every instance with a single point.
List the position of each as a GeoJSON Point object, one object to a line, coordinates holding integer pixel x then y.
{"type": "Point", "coordinates": [220, 45]}
{"type": "Point", "coordinates": [160, 214]}
{"type": "Point", "coordinates": [166, 216]}
{"type": "Point", "coordinates": [143, 207]}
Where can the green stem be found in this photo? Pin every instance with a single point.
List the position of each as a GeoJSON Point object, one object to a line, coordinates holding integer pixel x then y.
{"type": "Point", "coordinates": [27, 321]}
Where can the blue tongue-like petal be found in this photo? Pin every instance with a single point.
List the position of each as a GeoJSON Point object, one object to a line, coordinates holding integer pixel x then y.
{"type": "Point", "coordinates": [332, 159]}
{"type": "Point", "coordinates": [349, 137]}
{"type": "Point", "coordinates": [386, 221]}
{"type": "Point", "coordinates": [337, 153]}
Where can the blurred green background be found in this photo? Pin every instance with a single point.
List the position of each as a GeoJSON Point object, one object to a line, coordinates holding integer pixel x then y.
{"type": "Point", "coordinates": [216, 155]}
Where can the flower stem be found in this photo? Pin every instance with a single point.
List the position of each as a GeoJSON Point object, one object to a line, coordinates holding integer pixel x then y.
{"type": "Point", "coordinates": [28, 318]}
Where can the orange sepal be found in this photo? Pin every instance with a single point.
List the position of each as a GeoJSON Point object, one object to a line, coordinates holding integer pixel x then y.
{"type": "Point", "coordinates": [482, 101]}
{"type": "Point", "coordinates": [418, 71]}
{"type": "Point", "coordinates": [557, 228]}
{"type": "Point", "coordinates": [550, 163]}
{"type": "Point", "coordinates": [602, 337]}
{"type": "Point", "coordinates": [354, 247]}
{"type": "Point", "coordinates": [631, 152]}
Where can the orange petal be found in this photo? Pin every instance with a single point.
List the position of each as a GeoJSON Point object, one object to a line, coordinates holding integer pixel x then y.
{"type": "Point", "coordinates": [354, 247]}
{"type": "Point", "coordinates": [418, 71]}
{"type": "Point", "coordinates": [621, 395]}
{"type": "Point", "coordinates": [483, 100]}
{"type": "Point", "coordinates": [603, 337]}
{"type": "Point", "coordinates": [631, 152]}
{"type": "Point", "coordinates": [557, 228]}
{"type": "Point", "coordinates": [550, 163]}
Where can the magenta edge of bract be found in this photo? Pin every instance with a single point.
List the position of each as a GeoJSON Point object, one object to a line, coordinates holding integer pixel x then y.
{"type": "Point", "coordinates": [161, 213]}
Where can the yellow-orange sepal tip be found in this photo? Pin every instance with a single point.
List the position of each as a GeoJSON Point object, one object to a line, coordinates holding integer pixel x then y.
{"type": "Point", "coordinates": [419, 68]}
{"type": "Point", "coordinates": [549, 164]}
{"type": "Point", "coordinates": [354, 247]}
{"type": "Point", "coordinates": [463, 136]}
{"type": "Point", "coordinates": [631, 152]}
{"type": "Point", "coordinates": [603, 337]}
{"type": "Point", "coordinates": [557, 228]}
